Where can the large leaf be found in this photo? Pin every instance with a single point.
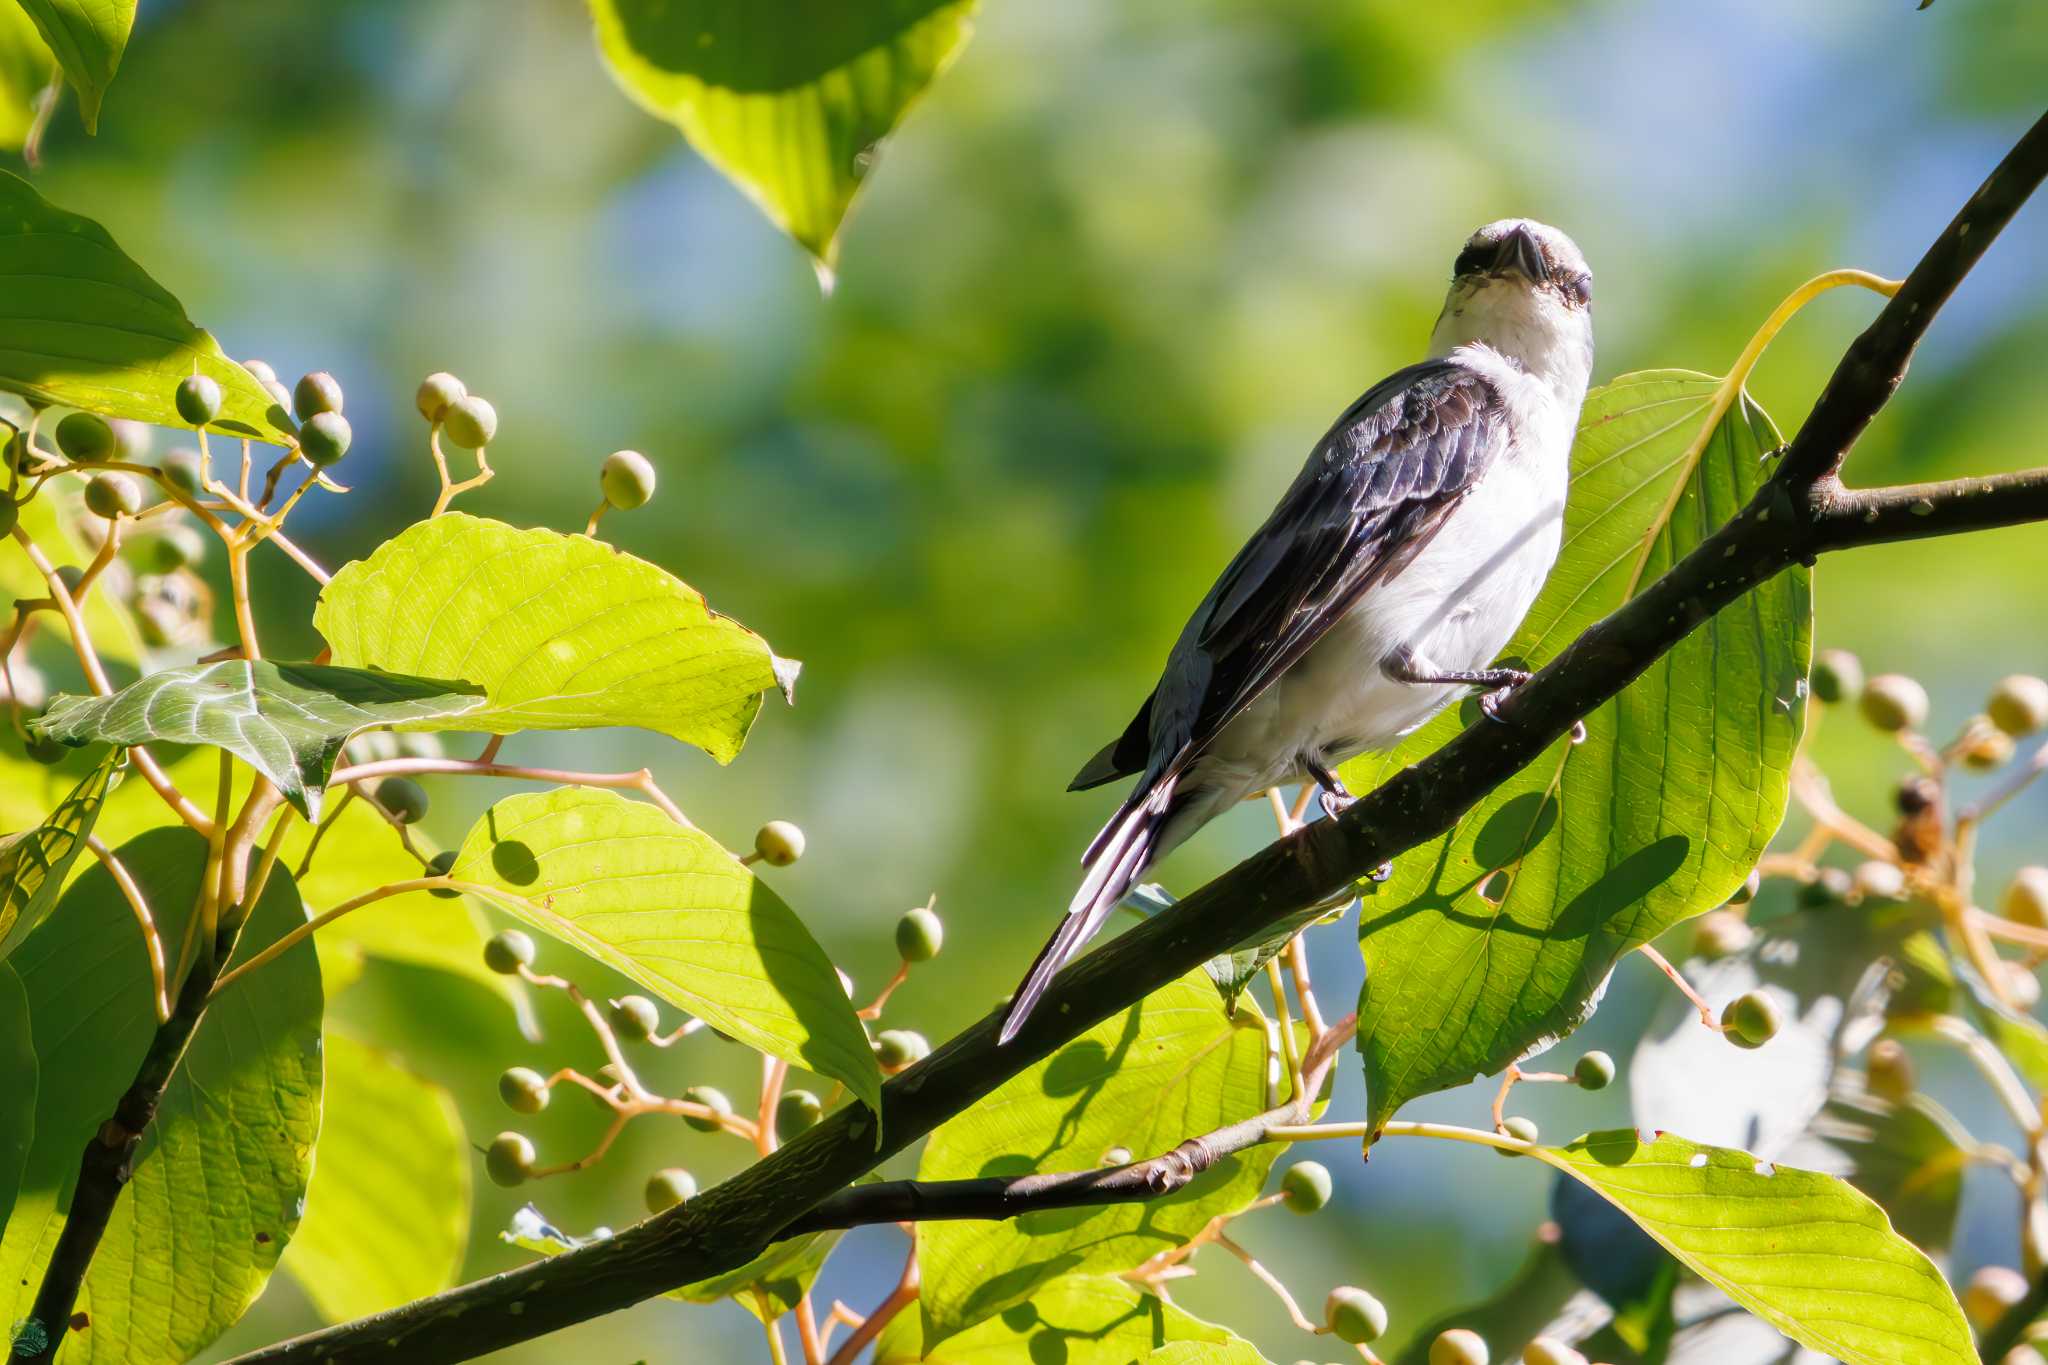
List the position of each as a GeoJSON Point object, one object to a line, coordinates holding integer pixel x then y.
{"type": "Point", "coordinates": [287, 721]}
{"type": "Point", "coordinates": [665, 905]}
{"type": "Point", "coordinates": [88, 37]}
{"type": "Point", "coordinates": [1495, 940]}
{"type": "Point", "coordinates": [1173, 1066]}
{"type": "Point", "coordinates": [86, 327]}
{"type": "Point", "coordinates": [788, 100]}
{"type": "Point", "coordinates": [222, 1171]}
{"type": "Point", "coordinates": [18, 1064]}
{"type": "Point", "coordinates": [387, 1220]}
{"type": "Point", "coordinates": [26, 66]}
{"type": "Point", "coordinates": [34, 863]}
{"type": "Point", "coordinates": [562, 633]}
{"type": "Point", "coordinates": [1804, 1251]}
{"type": "Point", "coordinates": [1909, 1156]}
{"type": "Point", "coordinates": [1078, 1320]}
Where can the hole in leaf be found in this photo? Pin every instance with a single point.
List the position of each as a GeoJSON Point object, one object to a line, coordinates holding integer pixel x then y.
{"type": "Point", "coordinates": [1494, 889]}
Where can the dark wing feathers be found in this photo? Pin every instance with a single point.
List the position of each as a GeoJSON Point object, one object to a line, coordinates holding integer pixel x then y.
{"type": "Point", "coordinates": [1375, 488]}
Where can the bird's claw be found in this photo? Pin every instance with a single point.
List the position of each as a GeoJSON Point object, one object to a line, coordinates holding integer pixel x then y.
{"type": "Point", "coordinates": [1491, 702]}
{"type": "Point", "coordinates": [1381, 873]}
{"type": "Point", "coordinates": [1335, 803]}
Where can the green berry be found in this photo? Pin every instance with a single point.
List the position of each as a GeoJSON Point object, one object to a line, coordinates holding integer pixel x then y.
{"type": "Point", "coordinates": [439, 866]}
{"type": "Point", "coordinates": [1595, 1071]}
{"type": "Point", "coordinates": [112, 495]}
{"type": "Point", "coordinates": [1354, 1315]}
{"type": "Point", "coordinates": [470, 422]}
{"type": "Point", "coordinates": [1837, 676]}
{"type": "Point", "coordinates": [42, 749]}
{"type": "Point", "coordinates": [1306, 1186]}
{"type": "Point", "coordinates": [86, 438]}
{"type": "Point", "coordinates": [170, 547]}
{"type": "Point", "coordinates": [627, 479]}
{"type": "Point", "coordinates": [1521, 1130]}
{"type": "Point", "coordinates": [72, 577]}
{"type": "Point", "coordinates": [1719, 934]}
{"type": "Point", "coordinates": [919, 935]}
{"type": "Point", "coordinates": [1551, 1351]}
{"type": "Point", "coordinates": [897, 1048]}
{"type": "Point", "coordinates": [261, 369]}
{"type": "Point", "coordinates": [1888, 1070]}
{"type": "Point", "coordinates": [509, 1159]}
{"type": "Point", "coordinates": [9, 514]}
{"type": "Point", "coordinates": [1751, 1019]}
{"type": "Point", "coordinates": [508, 951]}
{"type": "Point", "coordinates": [437, 393]}
{"type": "Point", "coordinates": [181, 468]}
{"type": "Point", "coordinates": [1894, 702]}
{"type": "Point", "coordinates": [1459, 1346]}
{"type": "Point", "coordinates": [798, 1111]}
{"type": "Point", "coordinates": [198, 399]}
{"type": "Point", "coordinates": [404, 798]}
{"type": "Point", "coordinates": [325, 438]}
{"type": "Point", "coordinates": [714, 1100]}
{"type": "Point", "coordinates": [2019, 705]}
{"type": "Point", "coordinates": [635, 1018]}
{"type": "Point", "coordinates": [1746, 892]}
{"type": "Point", "coordinates": [280, 396]}
{"type": "Point", "coordinates": [314, 394]}
{"type": "Point", "coordinates": [132, 440]}
{"type": "Point", "coordinates": [2025, 901]}
{"type": "Point", "coordinates": [779, 843]}
{"type": "Point", "coordinates": [524, 1090]}
{"type": "Point", "coordinates": [666, 1189]}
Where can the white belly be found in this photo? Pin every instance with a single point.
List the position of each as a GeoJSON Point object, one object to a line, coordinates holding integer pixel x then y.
{"type": "Point", "coordinates": [1454, 607]}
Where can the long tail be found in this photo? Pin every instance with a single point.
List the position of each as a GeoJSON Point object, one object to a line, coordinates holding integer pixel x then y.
{"type": "Point", "coordinates": [1118, 857]}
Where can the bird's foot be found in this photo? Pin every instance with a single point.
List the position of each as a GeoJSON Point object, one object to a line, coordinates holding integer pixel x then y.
{"type": "Point", "coordinates": [1333, 797]}
{"type": "Point", "coordinates": [1507, 680]}
{"type": "Point", "coordinates": [1380, 873]}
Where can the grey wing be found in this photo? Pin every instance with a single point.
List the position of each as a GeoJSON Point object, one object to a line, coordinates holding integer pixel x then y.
{"type": "Point", "coordinates": [1375, 489]}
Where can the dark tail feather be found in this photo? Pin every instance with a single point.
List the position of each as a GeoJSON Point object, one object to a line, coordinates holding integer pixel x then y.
{"type": "Point", "coordinates": [1117, 858]}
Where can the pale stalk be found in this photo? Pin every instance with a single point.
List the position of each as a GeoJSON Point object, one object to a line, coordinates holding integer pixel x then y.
{"type": "Point", "coordinates": [1996, 1070]}
{"type": "Point", "coordinates": [901, 1297]}
{"type": "Point", "coordinates": [152, 943]}
{"type": "Point", "coordinates": [1663, 965]}
{"type": "Point", "coordinates": [300, 933]}
{"type": "Point", "coordinates": [807, 1332]}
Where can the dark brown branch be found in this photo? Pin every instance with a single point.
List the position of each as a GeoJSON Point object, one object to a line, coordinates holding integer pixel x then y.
{"type": "Point", "coordinates": [1788, 522]}
{"type": "Point", "coordinates": [1873, 516]}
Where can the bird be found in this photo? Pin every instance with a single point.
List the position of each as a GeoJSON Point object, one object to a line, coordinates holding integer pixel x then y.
{"type": "Point", "coordinates": [1384, 585]}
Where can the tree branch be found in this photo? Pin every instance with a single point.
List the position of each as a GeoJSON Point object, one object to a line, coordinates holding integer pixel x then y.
{"type": "Point", "coordinates": [1789, 521]}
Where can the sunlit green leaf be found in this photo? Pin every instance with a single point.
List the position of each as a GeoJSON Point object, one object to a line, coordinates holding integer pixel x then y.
{"type": "Point", "coordinates": [1499, 936]}
{"type": "Point", "coordinates": [387, 1218]}
{"type": "Point", "coordinates": [88, 37]}
{"type": "Point", "coordinates": [1804, 1251]}
{"type": "Point", "coordinates": [1909, 1156]}
{"type": "Point", "coordinates": [1171, 1067]}
{"type": "Point", "coordinates": [562, 632]}
{"type": "Point", "coordinates": [88, 328]}
{"type": "Point", "coordinates": [287, 721]}
{"type": "Point", "coordinates": [663, 904]}
{"type": "Point", "coordinates": [788, 100]}
{"type": "Point", "coordinates": [18, 1064]}
{"type": "Point", "coordinates": [1077, 1320]}
{"type": "Point", "coordinates": [222, 1171]}
{"type": "Point", "coordinates": [35, 862]}
{"type": "Point", "coordinates": [26, 66]}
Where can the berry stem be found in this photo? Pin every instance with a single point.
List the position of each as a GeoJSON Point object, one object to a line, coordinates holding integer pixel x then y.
{"type": "Point", "coordinates": [152, 942]}
{"type": "Point", "coordinates": [1663, 965]}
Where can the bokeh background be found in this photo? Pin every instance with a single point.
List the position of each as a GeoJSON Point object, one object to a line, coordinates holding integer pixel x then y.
{"type": "Point", "coordinates": [1105, 288]}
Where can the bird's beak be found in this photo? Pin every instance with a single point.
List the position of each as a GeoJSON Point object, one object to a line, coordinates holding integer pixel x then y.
{"type": "Point", "coordinates": [1520, 253]}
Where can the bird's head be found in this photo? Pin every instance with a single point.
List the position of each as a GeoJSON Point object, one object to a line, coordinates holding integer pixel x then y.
{"type": "Point", "coordinates": [1523, 289]}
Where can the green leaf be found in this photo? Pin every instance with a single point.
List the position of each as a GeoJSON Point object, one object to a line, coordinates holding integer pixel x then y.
{"type": "Point", "coordinates": [1803, 1251]}
{"type": "Point", "coordinates": [788, 100]}
{"type": "Point", "coordinates": [1078, 1320]}
{"type": "Point", "coordinates": [287, 721]}
{"type": "Point", "coordinates": [1173, 1066]}
{"type": "Point", "coordinates": [26, 65]}
{"type": "Point", "coordinates": [88, 328]}
{"type": "Point", "coordinates": [1909, 1157]}
{"type": "Point", "coordinates": [88, 37]}
{"type": "Point", "coordinates": [18, 1065]}
{"type": "Point", "coordinates": [562, 633]}
{"type": "Point", "coordinates": [35, 862]}
{"type": "Point", "coordinates": [387, 1221]}
{"type": "Point", "coordinates": [1495, 940]}
{"type": "Point", "coordinates": [222, 1171]}
{"type": "Point", "coordinates": [784, 1272]}
{"type": "Point", "coordinates": [663, 904]}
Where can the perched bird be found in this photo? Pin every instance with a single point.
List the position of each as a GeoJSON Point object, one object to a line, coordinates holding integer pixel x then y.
{"type": "Point", "coordinates": [1391, 575]}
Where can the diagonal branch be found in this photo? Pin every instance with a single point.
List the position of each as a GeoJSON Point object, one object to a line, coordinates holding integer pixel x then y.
{"type": "Point", "coordinates": [1794, 517]}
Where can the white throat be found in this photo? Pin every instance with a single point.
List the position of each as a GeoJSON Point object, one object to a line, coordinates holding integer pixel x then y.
{"type": "Point", "coordinates": [1529, 327]}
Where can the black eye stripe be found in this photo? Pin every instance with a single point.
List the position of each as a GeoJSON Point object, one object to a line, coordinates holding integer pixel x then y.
{"type": "Point", "coordinates": [1471, 260]}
